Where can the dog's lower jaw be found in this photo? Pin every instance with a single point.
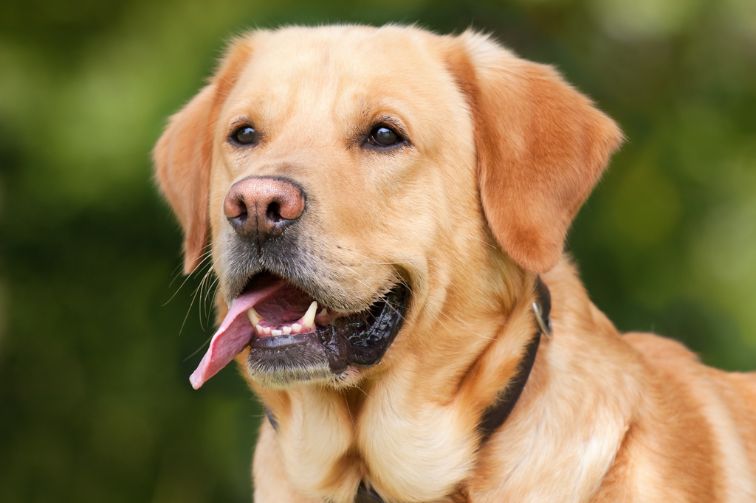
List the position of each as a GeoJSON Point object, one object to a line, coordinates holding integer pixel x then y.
{"type": "Point", "coordinates": [290, 376]}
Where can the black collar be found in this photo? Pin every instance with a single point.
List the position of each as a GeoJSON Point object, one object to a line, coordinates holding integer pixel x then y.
{"type": "Point", "coordinates": [498, 412]}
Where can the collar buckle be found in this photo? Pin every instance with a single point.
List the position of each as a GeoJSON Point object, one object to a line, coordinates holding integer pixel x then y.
{"type": "Point", "coordinates": [544, 324]}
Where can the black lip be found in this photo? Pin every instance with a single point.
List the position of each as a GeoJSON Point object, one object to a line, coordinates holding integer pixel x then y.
{"type": "Point", "coordinates": [358, 339]}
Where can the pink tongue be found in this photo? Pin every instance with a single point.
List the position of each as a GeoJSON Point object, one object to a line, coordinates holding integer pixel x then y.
{"type": "Point", "coordinates": [232, 336]}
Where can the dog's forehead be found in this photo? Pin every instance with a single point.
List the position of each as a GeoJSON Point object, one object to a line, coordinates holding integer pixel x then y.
{"type": "Point", "coordinates": [338, 68]}
{"type": "Point", "coordinates": [331, 47]}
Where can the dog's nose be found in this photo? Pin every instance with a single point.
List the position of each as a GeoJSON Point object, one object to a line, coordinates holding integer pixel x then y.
{"type": "Point", "coordinates": [261, 207]}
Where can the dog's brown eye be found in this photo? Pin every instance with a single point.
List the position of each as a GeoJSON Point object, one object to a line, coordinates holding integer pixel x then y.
{"type": "Point", "coordinates": [383, 136]}
{"type": "Point", "coordinates": [245, 135]}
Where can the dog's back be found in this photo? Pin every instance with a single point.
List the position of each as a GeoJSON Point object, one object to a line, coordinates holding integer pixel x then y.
{"type": "Point", "coordinates": [696, 424]}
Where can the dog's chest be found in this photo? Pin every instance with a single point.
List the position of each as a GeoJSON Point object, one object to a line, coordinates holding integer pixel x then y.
{"type": "Point", "coordinates": [393, 447]}
{"type": "Point", "coordinates": [425, 454]}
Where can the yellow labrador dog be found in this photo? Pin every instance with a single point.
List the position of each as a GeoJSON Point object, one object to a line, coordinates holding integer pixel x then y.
{"type": "Point", "coordinates": [387, 210]}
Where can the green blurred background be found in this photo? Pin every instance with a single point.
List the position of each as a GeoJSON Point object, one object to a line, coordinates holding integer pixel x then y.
{"type": "Point", "coordinates": [94, 399]}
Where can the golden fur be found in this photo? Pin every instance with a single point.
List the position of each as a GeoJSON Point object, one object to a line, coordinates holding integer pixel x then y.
{"type": "Point", "coordinates": [503, 154]}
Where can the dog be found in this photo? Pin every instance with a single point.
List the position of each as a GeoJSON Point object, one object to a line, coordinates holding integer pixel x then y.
{"type": "Point", "coordinates": [386, 210]}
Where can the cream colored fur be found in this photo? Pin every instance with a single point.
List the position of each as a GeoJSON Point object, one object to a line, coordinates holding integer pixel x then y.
{"type": "Point", "coordinates": [503, 153]}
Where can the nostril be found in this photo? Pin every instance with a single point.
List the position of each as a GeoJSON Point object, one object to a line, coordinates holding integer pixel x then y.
{"type": "Point", "coordinates": [241, 213]}
{"type": "Point", "coordinates": [273, 212]}
{"type": "Point", "coordinates": [239, 223]}
{"type": "Point", "coordinates": [241, 207]}
{"type": "Point", "coordinates": [235, 207]}
{"type": "Point", "coordinates": [240, 218]}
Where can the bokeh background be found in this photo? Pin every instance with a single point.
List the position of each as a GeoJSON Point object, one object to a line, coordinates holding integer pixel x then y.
{"type": "Point", "coordinates": [94, 399]}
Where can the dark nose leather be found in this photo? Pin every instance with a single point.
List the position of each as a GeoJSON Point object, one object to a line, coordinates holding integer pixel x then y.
{"type": "Point", "coordinates": [261, 207]}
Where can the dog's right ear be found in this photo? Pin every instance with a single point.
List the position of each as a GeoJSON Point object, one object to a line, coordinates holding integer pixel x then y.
{"type": "Point", "coordinates": [183, 154]}
{"type": "Point", "coordinates": [182, 169]}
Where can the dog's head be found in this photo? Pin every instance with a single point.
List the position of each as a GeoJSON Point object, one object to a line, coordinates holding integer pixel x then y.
{"type": "Point", "coordinates": [357, 183]}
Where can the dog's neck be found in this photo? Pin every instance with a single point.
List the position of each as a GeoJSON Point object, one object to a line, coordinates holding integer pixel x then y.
{"type": "Point", "coordinates": [497, 413]}
{"type": "Point", "coordinates": [424, 410]}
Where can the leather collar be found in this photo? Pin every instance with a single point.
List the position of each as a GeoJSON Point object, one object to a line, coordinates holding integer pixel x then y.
{"type": "Point", "coordinates": [499, 411]}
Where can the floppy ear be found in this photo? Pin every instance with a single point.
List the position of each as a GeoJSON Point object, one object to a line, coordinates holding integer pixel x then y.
{"type": "Point", "coordinates": [183, 154]}
{"type": "Point", "coordinates": [541, 148]}
{"type": "Point", "coordinates": [182, 168]}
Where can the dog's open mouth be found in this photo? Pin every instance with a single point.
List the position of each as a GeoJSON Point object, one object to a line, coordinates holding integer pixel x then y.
{"type": "Point", "coordinates": [293, 337]}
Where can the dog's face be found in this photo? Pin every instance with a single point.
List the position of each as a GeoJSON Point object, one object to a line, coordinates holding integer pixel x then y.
{"type": "Point", "coordinates": [346, 178]}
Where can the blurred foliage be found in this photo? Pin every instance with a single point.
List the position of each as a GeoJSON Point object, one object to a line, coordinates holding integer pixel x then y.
{"type": "Point", "coordinates": [94, 399]}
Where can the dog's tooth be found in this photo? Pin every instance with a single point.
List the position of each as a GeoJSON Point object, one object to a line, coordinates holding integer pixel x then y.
{"type": "Point", "coordinates": [296, 328]}
{"type": "Point", "coordinates": [253, 316]}
{"type": "Point", "coordinates": [276, 332]}
{"type": "Point", "coordinates": [267, 330]}
{"type": "Point", "coordinates": [286, 330]}
{"type": "Point", "coordinates": [259, 329]}
{"type": "Point", "coordinates": [308, 320]}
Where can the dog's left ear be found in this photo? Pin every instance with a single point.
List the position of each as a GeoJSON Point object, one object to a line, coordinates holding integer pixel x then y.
{"type": "Point", "coordinates": [541, 147]}
{"type": "Point", "coordinates": [182, 158]}
{"type": "Point", "coordinates": [183, 154]}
